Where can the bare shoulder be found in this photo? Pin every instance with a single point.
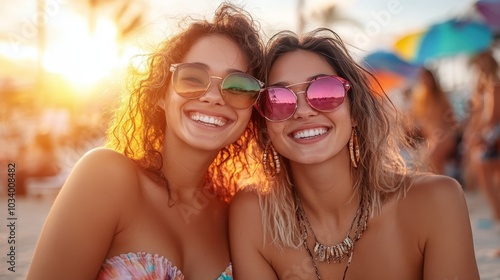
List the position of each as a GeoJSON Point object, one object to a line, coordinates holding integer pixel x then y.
{"type": "Point", "coordinates": [102, 174]}
{"type": "Point", "coordinates": [433, 201]}
{"type": "Point", "coordinates": [107, 159]}
{"type": "Point", "coordinates": [436, 211]}
{"type": "Point", "coordinates": [245, 213]}
{"type": "Point", "coordinates": [435, 190]}
{"type": "Point", "coordinates": [104, 166]}
{"type": "Point", "coordinates": [245, 199]}
{"type": "Point", "coordinates": [101, 187]}
{"type": "Point", "coordinates": [246, 238]}
{"type": "Point", "coordinates": [245, 204]}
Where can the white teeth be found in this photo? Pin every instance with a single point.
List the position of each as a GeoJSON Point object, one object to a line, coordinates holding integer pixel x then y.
{"type": "Point", "coordinates": [208, 120]}
{"type": "Point", "coordinates": [309, 133]}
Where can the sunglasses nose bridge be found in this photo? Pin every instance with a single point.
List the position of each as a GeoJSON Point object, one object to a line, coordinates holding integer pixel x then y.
{"type": "Point", "coordinates": [297, 98]}
{"type": "Point", "coordinates": [303, 108]}
{"type": "Point", "coordinates": [210, 78]}
{"type": "Point", "coordinates": [207, 95]}
{"type": "Point", "coordinates": [216, 78]}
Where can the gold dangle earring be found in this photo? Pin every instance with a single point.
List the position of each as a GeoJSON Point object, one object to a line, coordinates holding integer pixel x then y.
{"type": "Point", "coordinates": [354, 147]}
{"type": "Point", "coordinates": [271, 167]}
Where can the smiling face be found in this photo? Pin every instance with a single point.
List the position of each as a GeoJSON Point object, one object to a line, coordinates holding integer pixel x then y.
{"type": "Point", "coordinates": [309, 136]}
{"type": "Point", "coordinates": [207, 122]}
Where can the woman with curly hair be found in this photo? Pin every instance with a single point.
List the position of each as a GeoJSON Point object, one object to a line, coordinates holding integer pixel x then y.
{"type": "Point", "coordinates": [153, 205]}
{"type": "Point", "coordinates": [342, 202]}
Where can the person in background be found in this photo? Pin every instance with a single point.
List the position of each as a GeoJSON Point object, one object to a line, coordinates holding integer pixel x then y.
{"type": "Point", "coordinates": [482, 133]}
{"type": "Point", "coordinates": [341, 202]}
{"type": "Point", "coordinates": [435, 120]}
{"type": "Point", "coordinates": [154, 204]}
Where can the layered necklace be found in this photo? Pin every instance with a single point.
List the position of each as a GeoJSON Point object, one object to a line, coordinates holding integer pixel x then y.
{"type": "Point", "coordinates": [339, 252]}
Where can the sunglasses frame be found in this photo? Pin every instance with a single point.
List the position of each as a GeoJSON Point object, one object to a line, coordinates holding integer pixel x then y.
{"type": "Point", "coordinates": [344, 82]}
{"type": "Point", "coordinates": [175, 66]}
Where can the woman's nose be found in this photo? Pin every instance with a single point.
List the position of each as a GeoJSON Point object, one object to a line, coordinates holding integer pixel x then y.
{"type": "Point", "coordinates": [213, 94]}
{"type": "Point", "coordinates": [304, 110]}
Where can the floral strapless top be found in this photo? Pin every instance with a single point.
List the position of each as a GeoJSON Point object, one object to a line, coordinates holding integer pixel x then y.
{"type": "Point", "coordinates": [145, 266]}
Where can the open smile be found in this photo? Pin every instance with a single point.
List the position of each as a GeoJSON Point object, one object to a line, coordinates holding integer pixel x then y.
{"type": "Point", "coordinates": [309, 133]}
{"type": "Point", "coordinates": [208, 120]}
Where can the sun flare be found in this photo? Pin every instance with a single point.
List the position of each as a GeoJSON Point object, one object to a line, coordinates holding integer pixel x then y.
{"type": "Point", "coordinates": [84, 58]}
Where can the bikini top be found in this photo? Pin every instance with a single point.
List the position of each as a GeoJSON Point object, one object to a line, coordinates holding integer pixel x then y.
{"type": "Point", "coordinates": [146, 266]}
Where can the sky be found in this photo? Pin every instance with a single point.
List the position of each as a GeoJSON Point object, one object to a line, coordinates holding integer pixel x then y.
{"type": "Point", "coordinates": [378, 23]}
{"type": "Point", "coordinates": [388, 17]}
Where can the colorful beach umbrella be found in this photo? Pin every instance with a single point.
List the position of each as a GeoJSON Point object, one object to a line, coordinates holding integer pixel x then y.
{"type": "Point", "coordinates": [448, 38]}
{"type": "Point", "coordinates": [490, 11]}
{"type": "Point", "coordinates": [388, 81]}
{"type": "Point", "coordinates": [407, 46]}
{"type": "Point", "coordinates": [390, 70]}
{"type": "Point", "coordinates": [390, 62]}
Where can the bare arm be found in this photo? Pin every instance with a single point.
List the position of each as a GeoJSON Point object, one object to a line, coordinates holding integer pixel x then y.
{"type": "Point", "coordinates": [246, 239]}
{"type": "Point", "coordinates": [448, 250]}
{"type": "Point", "coordinates": [84, 218]}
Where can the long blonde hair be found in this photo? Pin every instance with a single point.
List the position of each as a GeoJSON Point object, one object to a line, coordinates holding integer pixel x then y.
{"type": "Point", "coordinates": [381, 169]}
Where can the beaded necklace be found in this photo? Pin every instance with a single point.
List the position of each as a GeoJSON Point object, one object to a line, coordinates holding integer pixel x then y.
{"type": "Point", "coordinates": [334, 253]}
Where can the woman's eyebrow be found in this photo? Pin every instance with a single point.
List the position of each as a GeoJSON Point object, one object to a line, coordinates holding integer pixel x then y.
{"type": "Point", "coordinates": [207, 67]}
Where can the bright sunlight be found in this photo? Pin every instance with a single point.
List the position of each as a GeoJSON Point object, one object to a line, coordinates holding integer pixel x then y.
{"type": "Point", "coordinates": [84, 58]}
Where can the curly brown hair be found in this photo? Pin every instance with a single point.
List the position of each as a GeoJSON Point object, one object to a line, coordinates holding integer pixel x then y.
{"type": "Point", "coordinates": [138, 126]}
